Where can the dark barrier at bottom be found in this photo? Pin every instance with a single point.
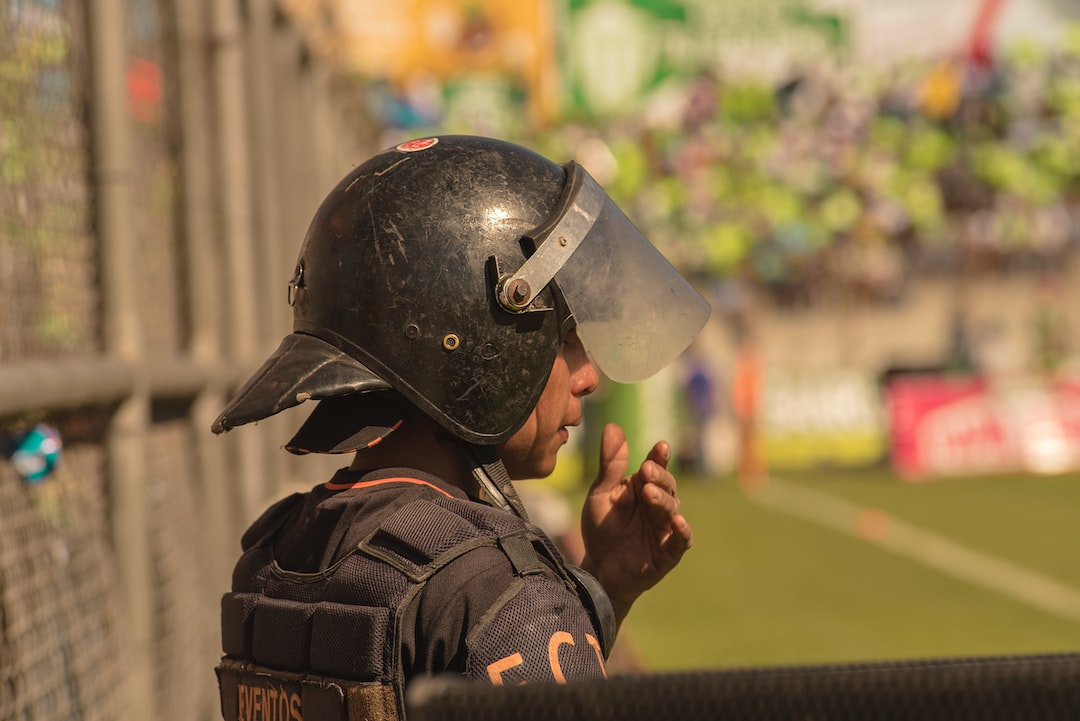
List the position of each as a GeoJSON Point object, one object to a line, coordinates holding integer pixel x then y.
{"type": "Point", "coordinates": [1027, 688]}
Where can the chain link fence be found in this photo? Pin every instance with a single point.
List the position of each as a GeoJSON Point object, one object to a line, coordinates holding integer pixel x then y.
{"type": "Point", "coordinates": [156, 174]}
{"type": "Point", "coordinates": [47, 284]}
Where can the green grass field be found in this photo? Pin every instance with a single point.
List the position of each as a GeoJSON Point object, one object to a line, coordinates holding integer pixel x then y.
{"type": "Point", "coordinates": [851, 566]}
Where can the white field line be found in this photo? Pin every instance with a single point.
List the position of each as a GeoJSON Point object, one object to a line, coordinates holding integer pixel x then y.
{"type": "Point", "coordinates": [920, 545]}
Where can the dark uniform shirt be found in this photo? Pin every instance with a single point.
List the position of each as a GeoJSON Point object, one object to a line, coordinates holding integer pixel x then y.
{"type": "Point", "coordinates": [490, 614]}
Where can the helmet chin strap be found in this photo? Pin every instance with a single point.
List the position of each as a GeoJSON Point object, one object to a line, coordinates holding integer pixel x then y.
{"type": "Point", "coordinates": [490, 473]}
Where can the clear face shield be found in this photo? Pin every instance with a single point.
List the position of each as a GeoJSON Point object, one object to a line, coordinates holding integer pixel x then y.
{"type": "Point", "coordinates": [633, 311]}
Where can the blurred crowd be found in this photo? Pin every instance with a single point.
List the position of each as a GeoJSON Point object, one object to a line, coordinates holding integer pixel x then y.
{"type": "Point", "coordinates": [845, 184]}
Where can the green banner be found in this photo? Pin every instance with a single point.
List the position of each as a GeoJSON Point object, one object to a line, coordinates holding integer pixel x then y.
{"type": "Point", "coordinates": [618, 53]}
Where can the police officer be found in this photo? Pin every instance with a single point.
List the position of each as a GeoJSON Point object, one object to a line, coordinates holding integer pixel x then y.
{"type": "Point", "coordinates": [454, 301]}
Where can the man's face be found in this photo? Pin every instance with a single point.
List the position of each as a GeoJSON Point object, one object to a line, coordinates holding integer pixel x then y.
{"type": "Point", "coordinates": [531, 452]}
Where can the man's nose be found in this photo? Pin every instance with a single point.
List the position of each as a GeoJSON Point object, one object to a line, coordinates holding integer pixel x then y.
{"type": "Point", "coordinates": [585, 379]}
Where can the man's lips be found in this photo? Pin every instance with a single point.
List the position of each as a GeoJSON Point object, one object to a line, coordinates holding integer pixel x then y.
{"type": "Point", "coordinates": [564, 430]}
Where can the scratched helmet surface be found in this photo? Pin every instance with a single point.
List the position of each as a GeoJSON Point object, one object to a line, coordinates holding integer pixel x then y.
{"type": "Point", "coordinates": [413, 278]}
{"type": "Point", "coordinates": [392, 288]}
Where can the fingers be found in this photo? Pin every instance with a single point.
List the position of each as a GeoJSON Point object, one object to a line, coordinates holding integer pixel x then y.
{"type": "Point", "coordinates": [658, 488]}
{"type": "Point", "coordinates": [653, 482]}
{"type": "Point", "coordinates": [660, 454]}
{"type": "Point", "coordinates": [614, 457]}
{"type": "Point", "coordinates": [658, 485]}
{"type": "Point", "coordinates": [660, 499]}
{"type": "Point", "coordinates": [671, 531]}
{"type": "Point", "coordinates": [682, 534]}
{"type": "Point", "coordinates": [655, 469]}
{"type": "Point", "coordinates": [680, 540]}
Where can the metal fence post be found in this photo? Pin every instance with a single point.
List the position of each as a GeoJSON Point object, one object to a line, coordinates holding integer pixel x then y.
{"type": "Point", "coordinates": [205, 280]}
{"type": "Point", "coordinates": [275, 257]}
{"type": "Point", "coordinates": [237, 231]}
{"type": "Point", "coordinates": [112, 180]}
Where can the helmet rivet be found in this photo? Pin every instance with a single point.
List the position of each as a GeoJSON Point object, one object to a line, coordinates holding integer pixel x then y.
{"type": "Point", "coordinates": [451, 342]}
{"type": "Point", "coordinates": [563, 241]}
{"type": "Point", "coordinates": [412, 331]}
{"type": "Point", "coordinates": [518, 291]}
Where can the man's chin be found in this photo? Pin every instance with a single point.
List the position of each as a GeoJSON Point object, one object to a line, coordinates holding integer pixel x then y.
{"type": "Point", "coordinates": [531, 471]}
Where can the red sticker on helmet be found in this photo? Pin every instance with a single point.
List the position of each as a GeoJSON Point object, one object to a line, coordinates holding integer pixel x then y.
{"type": "Point", "coordinates": [412, 146]}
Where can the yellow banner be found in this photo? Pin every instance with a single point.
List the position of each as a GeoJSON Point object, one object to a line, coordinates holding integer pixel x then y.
{"type": "Point", "coordinates": [410, 42]}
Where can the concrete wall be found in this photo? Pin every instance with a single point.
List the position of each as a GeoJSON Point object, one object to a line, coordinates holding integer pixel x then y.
{"type": "Point", "coordinates": [1000, 315]}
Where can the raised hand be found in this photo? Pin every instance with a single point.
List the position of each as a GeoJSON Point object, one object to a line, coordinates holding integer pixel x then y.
{"type": "Point", "coordinates": [631, 525]}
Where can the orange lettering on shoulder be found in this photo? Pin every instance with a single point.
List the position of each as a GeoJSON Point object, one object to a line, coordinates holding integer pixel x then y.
{"type": "Point", "coordinates": [599, 652]}
{"type": "Point", "coordinates": [497, 668]}
{"type": "Point", "coordinates": [559, 638]}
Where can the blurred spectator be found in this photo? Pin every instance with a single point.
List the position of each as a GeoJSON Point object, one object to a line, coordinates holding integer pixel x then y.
{"type": "Point", "coordinates": [746, 402]}
{"type": "Point", "coordinates": [846, 185]}
{"type": "Point", "coordinates": [700, 403]}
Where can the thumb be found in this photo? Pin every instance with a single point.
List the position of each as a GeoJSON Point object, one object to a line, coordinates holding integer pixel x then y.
{"type": "Point", "coordinates": [614, 457]}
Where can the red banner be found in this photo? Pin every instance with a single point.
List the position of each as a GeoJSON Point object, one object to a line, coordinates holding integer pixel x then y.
{"type": "Point", "coordinates": [957, 426]}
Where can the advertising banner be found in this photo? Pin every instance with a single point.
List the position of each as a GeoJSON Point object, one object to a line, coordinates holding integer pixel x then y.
{"type": "Point", "coordinates": [824, 418]}
{"type": "Point", "coordinates": [956, 426]}
{"type": "Point", "coordinates": [621, 53]}
{"type": "Point", "coordinates": [492, 56]}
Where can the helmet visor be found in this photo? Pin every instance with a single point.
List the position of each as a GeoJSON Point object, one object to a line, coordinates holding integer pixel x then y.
{"type": "Point", "coordinates": [634, 312]}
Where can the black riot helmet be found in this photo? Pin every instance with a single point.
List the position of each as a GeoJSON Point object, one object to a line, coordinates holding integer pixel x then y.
{"type": "Point", "coordinates": [444, 272]}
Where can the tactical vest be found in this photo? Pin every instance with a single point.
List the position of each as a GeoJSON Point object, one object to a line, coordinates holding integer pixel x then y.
{"type": "Point", "coordinates": [326, 645]}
